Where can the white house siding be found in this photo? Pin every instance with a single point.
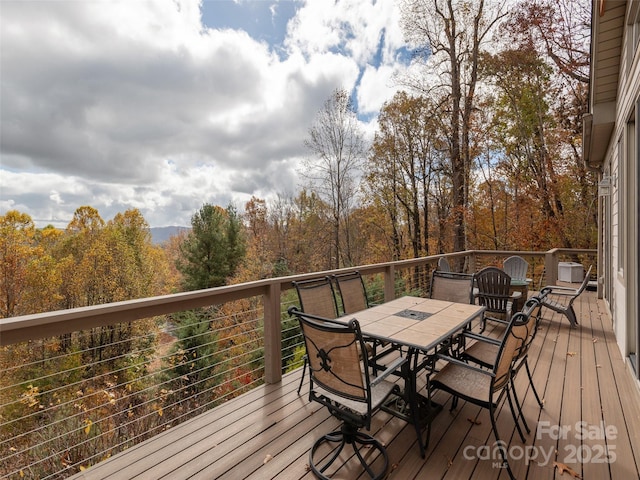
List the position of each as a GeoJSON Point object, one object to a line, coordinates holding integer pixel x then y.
{"type": "Point", "coordinates": [619, 233]}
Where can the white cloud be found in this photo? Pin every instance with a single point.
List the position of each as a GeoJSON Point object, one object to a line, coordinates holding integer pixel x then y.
{"type": "Point", "coordinates": [121, 104]}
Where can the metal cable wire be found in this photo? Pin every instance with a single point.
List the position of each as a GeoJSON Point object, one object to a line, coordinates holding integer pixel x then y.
{"type": "Point", "coordinates": [72, 425]}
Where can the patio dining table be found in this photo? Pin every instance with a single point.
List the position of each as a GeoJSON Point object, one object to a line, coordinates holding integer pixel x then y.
{"type": "Point", "coordinates": [419, 328]}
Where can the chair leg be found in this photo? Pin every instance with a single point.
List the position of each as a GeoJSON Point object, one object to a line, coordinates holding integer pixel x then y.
{"type": "Point", "coordinates": [533, 387]}
{"type": "Point", "coordinates": [501, 445]}
{"type": "Point", "coordinates": [571, 315]}
{"type": "Point", "coordinates": [515, 415]}
{"type": "Point", "coordinates": [519, 405]}
{"type": "Point", "coordinates": [349, 435]}
{"type": "Point", "coordinates": [304, 370]}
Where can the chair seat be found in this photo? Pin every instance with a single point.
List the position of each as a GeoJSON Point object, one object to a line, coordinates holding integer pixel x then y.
{"type": "Point", "coordinates": [484, 353]}
{"type": "Point", "coordinates": [464, 381]}
{"type": "Point", "coordinates": [555, 304]}
{"type": "Point", "coordinates": [379, 393]}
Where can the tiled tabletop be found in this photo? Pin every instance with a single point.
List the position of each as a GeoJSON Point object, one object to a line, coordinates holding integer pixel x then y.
{"type": "Point", "coordinates": [421, 323]}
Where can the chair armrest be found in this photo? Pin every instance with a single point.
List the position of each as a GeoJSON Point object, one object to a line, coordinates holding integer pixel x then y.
{"type": "Point", "coordinates": [457, 361]}
{"type": "Point", "coordinates": [393, 366]}
{"type": "Point", "coordinates": [559, 288]}
{"type": "Point", "coordinates": [481, 338]}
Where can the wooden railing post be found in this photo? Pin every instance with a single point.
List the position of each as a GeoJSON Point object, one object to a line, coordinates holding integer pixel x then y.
{"type": "Point", "coordinates": [272, 334]}
{"type": "Point", "coordinates": [389, 283]}
{"type": "Point", "coordinates": [472, 262]}
{"type": "Point", "coordinates": [551, 266]}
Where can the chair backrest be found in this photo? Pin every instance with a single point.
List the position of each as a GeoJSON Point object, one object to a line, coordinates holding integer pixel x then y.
{"type": "Point", "coordinates": [549, 289]}
{"type": "Point", "coordinates": [335, 365]}
{"type": "Point", "coordinates": [516, 267]}
{"type": "Point", "coordinates": [532, 310]}
{"type": "Point", "coordinates": [317, 297]}
{"type": "Point", "coordinates": [352, 291]}
{"type": "Point", "coordinates": [493, 289]}
{"type": "Point", "coordinates": [585, 282]}
{"type": "Point", "coordinates": [453, 287]}
{"type": "Point", "coordinates": [513, 341]}
{"type": "Point", "coordinates": [443, 265]}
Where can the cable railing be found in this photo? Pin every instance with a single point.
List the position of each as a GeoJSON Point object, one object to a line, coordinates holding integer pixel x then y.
{"type": "Point", "coordinates": [79, 386]}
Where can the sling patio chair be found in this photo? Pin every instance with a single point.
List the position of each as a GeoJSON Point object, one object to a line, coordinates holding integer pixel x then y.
{"type": "Point", "coordinates": [560, 299]}
{"type": "Point", "coordinates": [482, 387]}
{"type": "Point", "coordinates": [317, 297]}
{"type": "Point", "coordinates": [340, 380]}
{"type": "Point", "coordinates": [452, 287]}
{"type": "Point", "coordinates": [352, 292]}
{"type": "Point", "coordinates": [484, 351]}
{"type": "Point", "coordinates": [353, 296]}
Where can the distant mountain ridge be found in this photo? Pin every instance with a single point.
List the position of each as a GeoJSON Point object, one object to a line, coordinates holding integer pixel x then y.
{"type": "Point", "coordinates": [162, 234]}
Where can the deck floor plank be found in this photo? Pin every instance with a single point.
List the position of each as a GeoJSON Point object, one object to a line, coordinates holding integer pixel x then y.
{"type": "Point", "coordinates": [267, 433]}
{"type": "Point", "coordinates": [612, 369]}
{"type": "Point", "coordinates": [550, 374]}
{"type": "Point", "coordinates": [594, 383]}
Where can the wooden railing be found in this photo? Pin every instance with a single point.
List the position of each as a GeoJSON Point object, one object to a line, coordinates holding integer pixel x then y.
{"type": "Point", "coordinates": [269, 299]}
{"type": "Point", "coordinates": [32, 327]}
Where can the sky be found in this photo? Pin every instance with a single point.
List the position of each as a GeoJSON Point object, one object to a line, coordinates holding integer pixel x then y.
{"type": "Point", "coordinates": [165, 105]}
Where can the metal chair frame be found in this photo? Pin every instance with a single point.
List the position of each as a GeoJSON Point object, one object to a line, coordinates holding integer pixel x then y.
{"type": "Point", "coordinates": [340, 380]}
{"type": "Point", "coordinates": [457, 378]}
{"type": "Point", "coordinates": [317, 297]}
{"type": "Point", "coordinates": [352, 292]}
{"type": "Point", "coordinates": [452, 287]}
{"type": "Point", "coordinates": [443, 265]}
{"type": "Point", "coordinates": [485, 351]}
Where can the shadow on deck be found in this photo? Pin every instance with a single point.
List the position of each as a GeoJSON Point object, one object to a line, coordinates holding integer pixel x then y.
{"type": "Point", "coordinates": [590, 423]}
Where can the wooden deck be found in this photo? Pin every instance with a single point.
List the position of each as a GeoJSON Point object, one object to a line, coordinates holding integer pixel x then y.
{"type": "Point", "coordinates": [267, 433]}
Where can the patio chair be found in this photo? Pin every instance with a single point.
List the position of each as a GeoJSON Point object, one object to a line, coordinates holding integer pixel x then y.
{"type": "Point", "coordinates": [340, 380]}
{"type": "Point", "coordinates": [353, 296]}
{"type": "Point", "coordinates": [452, 287]}
{"type": "Point", "coordinates": [484, 351]}
{"type": "Point", "coordinates": [443, 264]}
{"type": "Point", "coordinates": [317, 297]}
{"type": "Point", "coordinates": [486, 388]}
{"type": "Point", "coordinates": [560, 299]}
{"type": "Point", "coordinates": [493, 291]}
{"type": "Point", "coordinates": [516, 267]}
{"type": "Point", "coordinates": [352, 292]}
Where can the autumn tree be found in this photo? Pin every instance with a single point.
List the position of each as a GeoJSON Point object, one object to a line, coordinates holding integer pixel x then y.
{"type": "Point", "coordinates": [194, 356]}
{"type": "Point", "coordinates": [559, 31]}
{"type": "Point", "coordinates": [525, 130]}
{"type": "Point", "coordinates": [403, 169]}
{"type": "Point", "coordinates": [140, 265]}
{"type": "Point", "coordinates": [261, 254]}
{"type": "Point", "coordinates": [213, 249]}
{"type": "Point", "coordinates": [338, 148]}
{"type": "Point", "coordinates": [17, 251]}
{"type": "Point", "coordinates": [310, 234]}
{"type": "Point", "coordinates": [448, 36]}
{"type": "Point", "coordinates": [280, 217]}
